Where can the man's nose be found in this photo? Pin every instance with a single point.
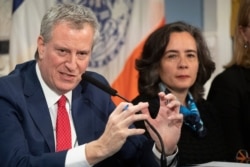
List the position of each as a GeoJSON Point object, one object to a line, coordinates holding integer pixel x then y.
{"type": "Point", "coordinates": [71, 62]}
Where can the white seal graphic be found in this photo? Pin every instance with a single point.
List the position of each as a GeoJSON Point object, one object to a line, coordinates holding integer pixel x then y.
{"type": "Point", "coordinates": [114, 17]}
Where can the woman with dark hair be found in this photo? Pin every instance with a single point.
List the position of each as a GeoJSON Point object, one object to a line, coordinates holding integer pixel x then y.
{"type": "Point", "coordinates": [176, 59]}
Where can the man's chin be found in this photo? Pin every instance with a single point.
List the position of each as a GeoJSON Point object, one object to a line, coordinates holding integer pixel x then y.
{"type": "Point", "coordinates": [66, 88]}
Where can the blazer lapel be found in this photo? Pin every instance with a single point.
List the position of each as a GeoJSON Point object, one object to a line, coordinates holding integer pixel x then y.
{"type": "Point", "coordinates": [83, 116]}
{"type": "Point", "coordinates": [38, 107]}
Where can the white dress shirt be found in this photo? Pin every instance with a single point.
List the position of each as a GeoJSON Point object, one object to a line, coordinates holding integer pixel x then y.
{"type": "Point", "coordinates": [76, 156]}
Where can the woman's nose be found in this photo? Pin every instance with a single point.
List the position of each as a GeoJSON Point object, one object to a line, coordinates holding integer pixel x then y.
{"type": "Point", "coordinates": [183, 62]}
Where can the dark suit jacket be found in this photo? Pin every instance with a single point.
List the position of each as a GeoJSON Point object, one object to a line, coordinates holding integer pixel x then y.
{"type": "Point", "coordinates": [26, 135]}
{"type": "Point", "coordinates": [230, 94]}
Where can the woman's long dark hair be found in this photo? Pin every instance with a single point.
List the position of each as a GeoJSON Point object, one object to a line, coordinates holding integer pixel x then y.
{"type": "Point", "coordinates": [149, 63]}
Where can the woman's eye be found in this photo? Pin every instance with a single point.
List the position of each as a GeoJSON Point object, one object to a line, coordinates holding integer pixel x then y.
{"type": "Point", "coordinates": [172, 56]}
{"type": "Point", "coordinates": [191, 55]}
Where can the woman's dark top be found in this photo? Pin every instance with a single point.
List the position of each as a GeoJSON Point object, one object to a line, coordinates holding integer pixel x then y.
{"type": "Point", "coordinates": [230, 94]}
{"type": "Point", "coordinates": [193, 149]}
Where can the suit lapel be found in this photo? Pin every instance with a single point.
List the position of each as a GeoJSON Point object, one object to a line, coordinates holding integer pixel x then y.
{"type": "Point", "coordinates": [38, 107]}
{"type": "Point", "coordinates": [83, 116]}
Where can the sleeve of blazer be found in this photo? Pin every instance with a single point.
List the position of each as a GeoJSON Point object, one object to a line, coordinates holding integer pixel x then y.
{"type": "Point", "coordinates": [136, 151]}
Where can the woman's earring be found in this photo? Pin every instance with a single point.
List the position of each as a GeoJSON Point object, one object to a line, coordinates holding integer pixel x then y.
{"type": "Point", "coordinates": [246, 45]}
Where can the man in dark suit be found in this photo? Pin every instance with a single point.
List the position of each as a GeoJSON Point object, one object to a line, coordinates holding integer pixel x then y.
{"type": "Point", "coordinates": [95, 132]}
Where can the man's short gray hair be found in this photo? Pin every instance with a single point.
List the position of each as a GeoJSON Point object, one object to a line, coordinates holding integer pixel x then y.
{"type": "Point", "coordinates": [74, 14]}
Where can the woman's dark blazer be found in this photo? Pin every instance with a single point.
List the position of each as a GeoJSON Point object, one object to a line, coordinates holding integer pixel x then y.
{"type": "Point", "coordinates": [192, 149]}
{"type": "Point", "coordinates": [230, 94]}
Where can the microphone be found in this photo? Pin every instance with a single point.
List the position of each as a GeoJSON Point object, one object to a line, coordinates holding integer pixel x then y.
{"type": "Point", "coordinates": [103, 87]}
{"type": "Point", "coordinates": [114, 92]}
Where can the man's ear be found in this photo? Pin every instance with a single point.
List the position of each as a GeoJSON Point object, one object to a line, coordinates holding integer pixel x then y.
{"type": "Point", "coordinates": [40, 47]}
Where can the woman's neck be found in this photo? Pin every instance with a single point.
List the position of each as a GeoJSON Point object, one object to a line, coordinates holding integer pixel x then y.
{"type": "Point", "coordinates": [181, 96]}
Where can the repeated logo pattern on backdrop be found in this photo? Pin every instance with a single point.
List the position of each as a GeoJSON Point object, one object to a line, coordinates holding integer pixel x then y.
{"type": "Point", "coordinates": [113, 17]}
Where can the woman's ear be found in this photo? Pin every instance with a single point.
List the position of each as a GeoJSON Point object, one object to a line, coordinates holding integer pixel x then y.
{"type": "Point", "coordinates": [242, 31]}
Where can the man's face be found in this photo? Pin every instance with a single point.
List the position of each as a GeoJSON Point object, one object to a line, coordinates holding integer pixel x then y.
{"type": "Point", "coordinates": [65, 57]}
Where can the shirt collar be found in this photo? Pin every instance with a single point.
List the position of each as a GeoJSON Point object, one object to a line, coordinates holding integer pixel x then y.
{"type": "Point", "coordinates": [51, 96]}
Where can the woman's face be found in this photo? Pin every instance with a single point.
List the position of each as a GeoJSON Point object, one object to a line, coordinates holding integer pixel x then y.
{"type": "Point", "coordinates": [179, 65]}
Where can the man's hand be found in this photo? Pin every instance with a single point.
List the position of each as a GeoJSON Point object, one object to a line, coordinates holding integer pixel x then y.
{"type": "Point", "coordinates": [116, 132]}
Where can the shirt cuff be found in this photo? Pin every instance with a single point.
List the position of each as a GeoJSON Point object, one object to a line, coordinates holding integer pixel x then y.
{"type": "Point", "coordinates": [170, 158]}
{"type": "Point", "coordinates": [76, 157]}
